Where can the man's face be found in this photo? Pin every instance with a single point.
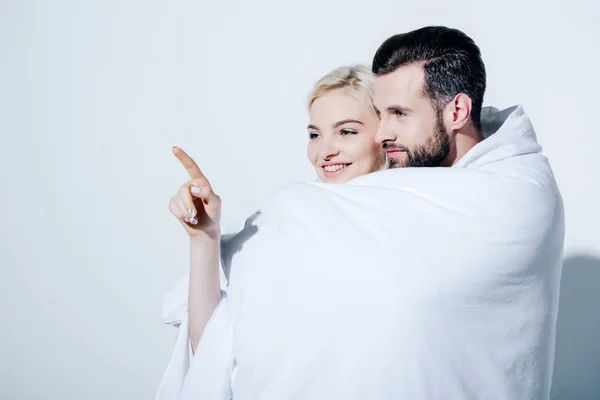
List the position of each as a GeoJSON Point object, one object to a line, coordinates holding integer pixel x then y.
{"type": "Point", "coordinates": [411, 130]}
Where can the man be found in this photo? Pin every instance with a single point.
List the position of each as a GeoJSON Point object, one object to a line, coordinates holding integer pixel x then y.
{"type": "Point", "coordinates": [409, 283]}
{"type": "Point", "coordinates": [429, 93]}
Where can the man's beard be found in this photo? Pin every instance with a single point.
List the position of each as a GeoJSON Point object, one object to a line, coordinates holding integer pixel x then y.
{"type": "Point", "coordinates": [431, 154]}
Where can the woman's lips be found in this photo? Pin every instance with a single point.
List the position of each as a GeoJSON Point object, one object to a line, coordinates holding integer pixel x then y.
{"type": "Point", "coordinates": [333, 169]}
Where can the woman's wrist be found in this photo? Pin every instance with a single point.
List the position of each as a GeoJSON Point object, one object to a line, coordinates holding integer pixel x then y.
{"type": "Point", "coordinates": [203, 238]}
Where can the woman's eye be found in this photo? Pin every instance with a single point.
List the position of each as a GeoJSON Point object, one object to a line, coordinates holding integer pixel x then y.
{"type": "Point", "coordinates": [313, 135]}
{"type": "Point", "coordinates": [348, 132]}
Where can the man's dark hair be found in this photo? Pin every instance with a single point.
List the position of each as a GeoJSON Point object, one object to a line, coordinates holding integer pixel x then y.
{"type": "Point", "coordinates": [451, 61]}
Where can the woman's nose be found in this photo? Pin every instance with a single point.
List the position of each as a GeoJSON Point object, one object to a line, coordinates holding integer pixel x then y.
{"type": "Point", "coordinates": [328, 150]}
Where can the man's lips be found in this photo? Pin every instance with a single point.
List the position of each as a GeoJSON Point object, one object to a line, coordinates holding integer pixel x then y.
{"type": "Point", "coordinates": [394, 153]}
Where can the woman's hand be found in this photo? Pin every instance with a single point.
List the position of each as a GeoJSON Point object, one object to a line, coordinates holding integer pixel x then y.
{"type": "Point", "coordinates": [195, 205]}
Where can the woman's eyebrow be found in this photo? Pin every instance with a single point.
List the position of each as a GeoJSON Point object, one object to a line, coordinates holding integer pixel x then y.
{"type": "Point", "coordinates": [346, 121]}
{"type": "Point", "coordinates": [337, 124]}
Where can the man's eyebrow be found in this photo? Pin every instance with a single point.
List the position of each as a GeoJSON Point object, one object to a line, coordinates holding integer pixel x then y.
{"type": "Point", "coordinates": [403, 109]}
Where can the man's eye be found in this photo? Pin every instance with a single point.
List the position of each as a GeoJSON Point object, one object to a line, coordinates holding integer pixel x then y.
{"type": "Point", "coordinates": [398, 113]}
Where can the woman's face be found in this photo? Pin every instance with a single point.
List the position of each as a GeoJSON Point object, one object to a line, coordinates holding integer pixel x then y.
{"type": "Point", "coordinates": [341, 142]}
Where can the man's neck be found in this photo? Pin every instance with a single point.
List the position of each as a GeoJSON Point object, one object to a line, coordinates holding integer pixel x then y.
{"type": "Point", "coordinates": [464, 141]}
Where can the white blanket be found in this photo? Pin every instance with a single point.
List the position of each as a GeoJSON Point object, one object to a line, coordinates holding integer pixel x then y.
{"type": "Point", "coordinates": [420, 283]}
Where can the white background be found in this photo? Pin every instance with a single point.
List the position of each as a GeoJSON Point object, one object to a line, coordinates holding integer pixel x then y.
{"type": "Point", "coordinates": [93, 95]}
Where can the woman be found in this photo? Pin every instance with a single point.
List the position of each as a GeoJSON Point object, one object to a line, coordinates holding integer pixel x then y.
{"type": "Point", "coordinates": [341, 146]}
{"type": "Point", "coordinates": [342, 127]}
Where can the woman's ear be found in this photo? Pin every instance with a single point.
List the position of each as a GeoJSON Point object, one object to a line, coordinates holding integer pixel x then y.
{"type": "Point", "coordinates": [382, 160]}
{"type": "Point", "coordinates": [386, 160]}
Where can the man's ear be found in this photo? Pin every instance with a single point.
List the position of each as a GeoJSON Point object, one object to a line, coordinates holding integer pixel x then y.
{"type": "Point", "coordinates": [457, 112]}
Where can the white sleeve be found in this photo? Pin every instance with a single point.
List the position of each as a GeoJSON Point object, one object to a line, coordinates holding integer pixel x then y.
{"type": "Point", "coordinates": [175, 312]}
{"type": "Point", "coordinates": [214, 343]}
{"type": "Point", "coordinates": [210, 372]}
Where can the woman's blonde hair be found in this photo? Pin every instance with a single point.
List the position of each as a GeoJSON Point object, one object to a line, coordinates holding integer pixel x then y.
{"type": "Point", "coordinates": [355, 80]}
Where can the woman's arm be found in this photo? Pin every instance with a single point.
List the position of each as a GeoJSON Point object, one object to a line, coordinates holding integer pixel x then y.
{"type": "Point", "coordinates": [198, 209]}
{"type": "Point", "coordinates": [205, 288]}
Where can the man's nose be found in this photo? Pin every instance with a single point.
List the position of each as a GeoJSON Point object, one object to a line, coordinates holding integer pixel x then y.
{"type": "Point", "coordinates": [384, 133]}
